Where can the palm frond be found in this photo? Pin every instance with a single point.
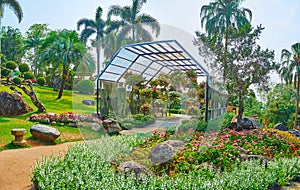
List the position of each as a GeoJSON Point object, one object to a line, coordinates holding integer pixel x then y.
{"type": "Point", "coordinates": [14, 6]}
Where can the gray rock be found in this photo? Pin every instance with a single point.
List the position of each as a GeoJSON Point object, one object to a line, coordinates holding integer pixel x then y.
{"type": "Point", "coordinates": [93, 126]}
{"type": "Point", "coordinates": [12, 104]}
{"type": "Point", "coordinates": [44, 133]}
{"type": "Point", "coordinates": [281, 127]}
{"type": "Point", "coordinates": [111, 126]}
{"type": "Point", "coordinates": [163, 152]}
{"type": "Point", "coordinates": [246, 123]}
{"type": "Point", "coordinates": [295, 132]}
{"type": "Point", "coordinates": [88, 102]}
{"type": "Point", "coordinates": [133, 168]}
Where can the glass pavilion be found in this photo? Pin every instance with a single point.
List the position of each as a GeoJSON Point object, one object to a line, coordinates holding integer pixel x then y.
{"type": "Point", "coordinates": [150, 59]}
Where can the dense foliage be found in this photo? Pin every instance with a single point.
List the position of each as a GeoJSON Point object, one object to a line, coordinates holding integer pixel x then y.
{"type": "Point", "coordinates": [85, 87]}
{"type": "Point", "coordinates": [87, 166]}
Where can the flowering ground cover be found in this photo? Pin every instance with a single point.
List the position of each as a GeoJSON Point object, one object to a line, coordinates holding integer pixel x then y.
{"type": "Point", "coordinates": [208, 161]}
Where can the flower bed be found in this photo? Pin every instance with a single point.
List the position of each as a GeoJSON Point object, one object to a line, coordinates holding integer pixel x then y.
{"type": "Point", "coordinates": [68, 118]}
{"type": "Point", "coordinates": [87, 166]}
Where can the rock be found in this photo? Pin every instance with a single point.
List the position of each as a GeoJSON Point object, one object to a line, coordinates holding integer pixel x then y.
{"type": "Point", "coordinates": [93, 126]}
{"type": "Point", "coordinates": [295, 132]}
{"type": "Point", "coordinates": [163, 152]}
{"type": "Point", "coordinates": [44, 133]}
{"type": "Point", "coordinates": [246, 123]}
{"type": "Point", "coordinates": [88, 102]}
{"type": "Point", "coordinates": [111, 126]}
{"type": "Point", "coordinates": [281, 127]}
{"type": "Point", "coordinates": [12, 104]}
{"type": "Point", "coordinates": [130, 167]}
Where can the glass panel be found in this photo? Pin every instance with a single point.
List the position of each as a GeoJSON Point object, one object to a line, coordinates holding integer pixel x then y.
{"type": "Point", "coordinates": [147, 77]}
{"type": "Point", "coordinates": [150, 48]}
{"type": "Point", "coordinates": [144, 61]}
{"type": "Point", "coordinates": [155, 66]}
{"type": "Point", "coordinates": [158, 47]}
{"type": "Point", "coordinates": [142, 49]}
{"type": "Point", "coordinates": [135, 50]}
{"type": "Point", "coordinates": [109, 76]}
{"type": "Point", "coordinates": [151, 71]}
{"type": "Point", "coordinates": [165, 70]}
{"type": "Point", "coordinates": [121, 62]}
{"type": "Point", "coordinates": [127, 54]}
{"type": "Point", "coordinates": [115, 69]}
{"type": "Point", "coordinates": [138, 67]}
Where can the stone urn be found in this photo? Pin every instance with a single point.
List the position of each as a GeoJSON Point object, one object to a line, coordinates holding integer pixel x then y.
{"type": "Point", "coordinates": [19, 134]}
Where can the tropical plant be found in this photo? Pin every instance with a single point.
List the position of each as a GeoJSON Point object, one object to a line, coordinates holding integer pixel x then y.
{"type": "Point", "coordinates": [12, 44]}
{"type": "Point", "coordinates": [92, 27]}
{"type": "Point", "coordinates": [132, 22]}
{"type": "Point", "coordinates": [63, 48]}
{"type": "Point", "coordinates": [16, 8]}
{"type": "Point", "coordinates": [290, 72]}
{"type": "Point", "coordinates": [221, 16]}
{"type": "Point", "coordinates": [248, 64]}
{"type": "Point", "coordinates": [33, 41]}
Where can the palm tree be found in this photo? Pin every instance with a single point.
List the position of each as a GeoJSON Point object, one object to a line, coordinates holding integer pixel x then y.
{"type": "Point", "coordinates": [132, 22]}
{"type": "Point", "coordinates": [64, 49]}
{"type": "Point", "coordinates": [92, 27]}
{"type": "Point", "coordinates": [16, 8]}
{"type": "Point", "coordinates": [290, 72]}
{"type": "Point", "coordinates": [222, 15]}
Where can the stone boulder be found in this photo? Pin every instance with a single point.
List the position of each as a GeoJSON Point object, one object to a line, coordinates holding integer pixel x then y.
{"type": "Point", "coordinates": [295, 132]}
{"type": "Point", "coordinates": [44, 133]}
{"type": "Point", "coordinates": [88, 102]}
{"type": "Point", "coordinates": [133, 168]}
{"type": "Point", "coordinates": [163, 152]}
{"type": "Point", "coordinates": [111, 126]}
{"type": "Point", "coordinates": [12, 104]}
{"type": "Point", "coordinates": [281, 127]}
{"type": "Point", "coordinates": [246, 123]}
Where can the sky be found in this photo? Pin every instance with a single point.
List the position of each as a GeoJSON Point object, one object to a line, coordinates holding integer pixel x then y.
{"type": "Point", "coordinates": [281, 18]}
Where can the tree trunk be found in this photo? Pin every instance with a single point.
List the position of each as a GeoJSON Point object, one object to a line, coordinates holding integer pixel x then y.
{"type": "Point", "coordinates": [241, 110]}
{"type": "Point", "coordinates": [225, 61]}
{"type": "Point", "coordinates": [98, 58]}
{"type": "Point", "coordinates": [63, 81]}
{"type": "Point", "coordinates": [33, 97]}
{"type": "Point", "coordinates": [297, 97]}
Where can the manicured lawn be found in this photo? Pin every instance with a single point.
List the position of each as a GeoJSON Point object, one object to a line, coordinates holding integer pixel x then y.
{"type": "Point", "coordinates": [70, 102]}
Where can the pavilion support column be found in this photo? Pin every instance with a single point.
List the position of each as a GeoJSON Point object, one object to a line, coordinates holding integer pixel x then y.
{"type": "Point", "coordinates": [206, 97]}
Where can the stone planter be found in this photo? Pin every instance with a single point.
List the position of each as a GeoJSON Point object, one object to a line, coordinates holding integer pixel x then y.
{"type": "Point", "coordinates": [19, 134]}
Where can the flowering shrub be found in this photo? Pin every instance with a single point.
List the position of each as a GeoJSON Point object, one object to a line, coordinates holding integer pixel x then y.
{"type": "Point", "coordinates": [223, 149]}
{"type": "Point", "coordinates": [64, 118]}
{"type": "Point", "coordinates": [145, 108]}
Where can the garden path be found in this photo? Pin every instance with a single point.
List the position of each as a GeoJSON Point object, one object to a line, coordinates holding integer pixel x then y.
{"type": "Point", "coordinates": [15, 165]}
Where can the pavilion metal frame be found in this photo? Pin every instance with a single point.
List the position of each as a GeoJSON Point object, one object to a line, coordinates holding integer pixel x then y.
{"type": "Point", "coordinates": [151, 59]}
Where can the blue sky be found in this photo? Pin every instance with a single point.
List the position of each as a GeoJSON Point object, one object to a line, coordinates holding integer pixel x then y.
{"type": "Point", "coordinates": [281, 18]}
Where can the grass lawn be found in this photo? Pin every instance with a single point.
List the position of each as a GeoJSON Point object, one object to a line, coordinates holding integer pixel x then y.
{"type": "Point", "coordinates": [70, 102]}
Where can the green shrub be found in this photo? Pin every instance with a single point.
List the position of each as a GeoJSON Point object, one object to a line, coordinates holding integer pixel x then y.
{"type": "Point", "coordinates": [201, 126]}
{"type": "Point", "coordinates": [5, 72]}
{"type": "Point", "coordinates": [11, 65]}
{"type": "Point", "coordinates": [41, 81]}
{"type": "Point", "coordinates": [177, 111]}
{"type": "Point", "coordinates": [227, 120]}
{"type": "Point", "coordinates": [17, 80]}
{"type": "Point", "coordinates": [85, 87]}
{"type": "Point", "coordinates": [23, 67]}
{"type": "Point", "coordinates": [28, 75]}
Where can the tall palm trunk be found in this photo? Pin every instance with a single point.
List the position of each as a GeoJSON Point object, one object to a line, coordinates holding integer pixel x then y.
{"type": "Point", "coordinates": [297, 96]}
{"type": "Point", "coordinates": [98, 49]}
{"type": "Point", "coordinates": [63, 81]}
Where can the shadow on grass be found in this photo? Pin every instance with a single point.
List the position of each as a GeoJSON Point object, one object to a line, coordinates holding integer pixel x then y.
{"type": "Point", "coordinates": [3, 120]}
